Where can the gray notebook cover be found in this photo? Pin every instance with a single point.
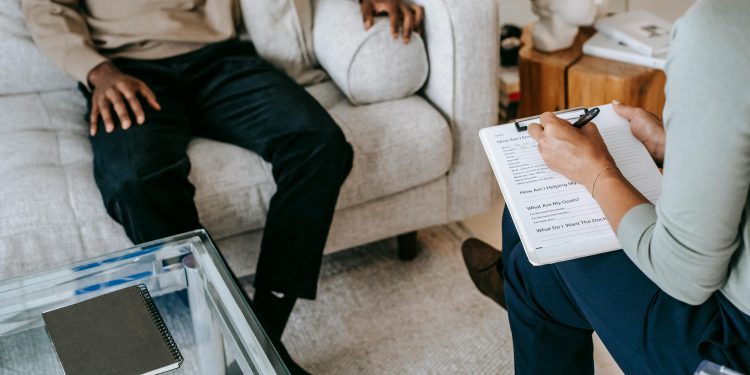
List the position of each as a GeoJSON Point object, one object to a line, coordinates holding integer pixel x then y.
{"type": "Point", "coordinates": [117, 333]}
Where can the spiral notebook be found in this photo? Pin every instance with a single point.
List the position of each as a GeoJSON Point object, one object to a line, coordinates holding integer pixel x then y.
{"type": "Point", "coordinates": [116, 333]}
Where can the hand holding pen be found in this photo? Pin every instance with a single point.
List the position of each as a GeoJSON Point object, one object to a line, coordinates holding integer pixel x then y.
{"type": "Point", "coordinates": [586, 117]}
{"type": "Point", "coordinates": [579, 154]}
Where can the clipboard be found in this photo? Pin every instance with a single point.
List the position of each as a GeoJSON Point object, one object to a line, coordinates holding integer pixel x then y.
{"type": "Point", "coordinates": [558, 219]}
{"type": "Point", "coordinates": [522, 124]}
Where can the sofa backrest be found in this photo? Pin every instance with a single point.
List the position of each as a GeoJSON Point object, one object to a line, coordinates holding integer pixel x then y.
{"type": "Point", "coordinates": [282, 31]}
{"type": "Point", "coordinates": [23, 67]}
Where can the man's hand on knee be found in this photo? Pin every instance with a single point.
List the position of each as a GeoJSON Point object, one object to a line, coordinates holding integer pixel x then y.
{"type": "Point", "coordinates": [116, 90]}
{"type": "Point", "coordinates": [405, 17]}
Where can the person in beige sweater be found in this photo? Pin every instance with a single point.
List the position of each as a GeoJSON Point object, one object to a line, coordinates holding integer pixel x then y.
{"type": "Point", "coordinates": [175, 69]}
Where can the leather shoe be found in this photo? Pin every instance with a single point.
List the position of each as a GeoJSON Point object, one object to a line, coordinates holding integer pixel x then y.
{"type": "Point", "coordinates": [483, 262]}
{"type": "Point", "coordinates": [291, 365]}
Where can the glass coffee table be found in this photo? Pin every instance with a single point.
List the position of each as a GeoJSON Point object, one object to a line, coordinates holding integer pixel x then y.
{"type": "Point", "coordinates": [203, 307]}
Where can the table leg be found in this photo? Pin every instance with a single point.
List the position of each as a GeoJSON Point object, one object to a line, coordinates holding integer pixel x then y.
{"type": "Point", "coordinates": [208, 339]}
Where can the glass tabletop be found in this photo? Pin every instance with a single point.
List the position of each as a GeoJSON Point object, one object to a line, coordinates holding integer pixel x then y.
{"type": "Point", "coordinates": [203, 307]}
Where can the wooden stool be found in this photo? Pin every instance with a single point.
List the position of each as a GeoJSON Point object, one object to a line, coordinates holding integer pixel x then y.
{"type": "Point", "coordinates": [567, 78]}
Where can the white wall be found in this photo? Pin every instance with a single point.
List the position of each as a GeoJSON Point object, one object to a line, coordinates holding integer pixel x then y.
{"type": "Point", "coordinates": [670, 10]}
{"type": "Point", "coordinates": [519, 11]}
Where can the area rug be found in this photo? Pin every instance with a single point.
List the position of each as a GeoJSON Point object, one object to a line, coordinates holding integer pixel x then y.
{"type": "Point", "coordinates": [376, 314]}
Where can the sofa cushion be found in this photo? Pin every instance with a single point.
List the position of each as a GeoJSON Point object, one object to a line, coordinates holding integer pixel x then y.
{"type": "Point", "coordinates": [326, 93]}
{"type": "Point", "coordinates": [23, 67]}
{"type": "Point", "coordinates": [368, 65]}
{"type": "Point", "coordinates": [51, 211]}
{"type": "Point", "coordinates": [397, 145]}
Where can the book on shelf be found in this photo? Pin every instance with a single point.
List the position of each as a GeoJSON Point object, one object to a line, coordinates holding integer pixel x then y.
{"type": "Point", "coordinates": [639, 30]}
{"type": "Point", "coordinates": [600, 45]}
{"type": "Point", "coordinates": [509, 92]}
{"type": "Point", "coordinates": [116, 333]}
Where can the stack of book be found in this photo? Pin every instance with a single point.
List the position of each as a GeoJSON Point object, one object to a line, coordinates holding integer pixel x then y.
{"type": "Point", "coordinates": [635, 37]}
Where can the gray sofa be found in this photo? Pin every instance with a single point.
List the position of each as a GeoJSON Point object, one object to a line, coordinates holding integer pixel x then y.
{"type": "Point", "coordinates": [418, 161]}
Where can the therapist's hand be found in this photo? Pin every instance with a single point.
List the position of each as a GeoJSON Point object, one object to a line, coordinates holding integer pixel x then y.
{"type": "Point", "coordinates": [577, 154]}
{"type": "Point", "coordinates": [646, 127]}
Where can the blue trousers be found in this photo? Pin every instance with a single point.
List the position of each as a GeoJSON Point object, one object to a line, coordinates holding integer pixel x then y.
{"type": "Point", "coordinates": [554, 309]}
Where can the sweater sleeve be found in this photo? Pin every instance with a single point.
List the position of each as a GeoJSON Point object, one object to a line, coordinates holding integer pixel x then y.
{"type": "Point", "coordinates": [60, 31]}
{"type": "Point", "coordinates": [686, 242]}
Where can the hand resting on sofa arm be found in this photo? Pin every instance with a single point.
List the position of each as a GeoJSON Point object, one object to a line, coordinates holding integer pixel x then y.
{"type": "Point", "coordinates": [367, 64]}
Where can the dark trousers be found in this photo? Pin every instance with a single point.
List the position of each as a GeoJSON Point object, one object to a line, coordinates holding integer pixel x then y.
{"type": "Point", "coordinates": [227, 93]}
{"type": "Point", "coordinates": [554, 309]}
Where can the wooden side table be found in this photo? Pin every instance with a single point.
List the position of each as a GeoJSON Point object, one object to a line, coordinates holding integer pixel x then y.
{"type": "Point", "coordinates": [567, 78]}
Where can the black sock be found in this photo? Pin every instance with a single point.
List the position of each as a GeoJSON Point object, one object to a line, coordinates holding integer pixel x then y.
{"type": "Point", "coordinates": [273, 309]}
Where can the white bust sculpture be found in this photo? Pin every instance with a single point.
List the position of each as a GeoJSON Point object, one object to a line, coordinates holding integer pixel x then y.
{"type": "Point", "coordinates": [559, 21]}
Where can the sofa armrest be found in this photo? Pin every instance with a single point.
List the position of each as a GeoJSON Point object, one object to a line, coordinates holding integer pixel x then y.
{"type": "Point", "coordinates": [462, 45]}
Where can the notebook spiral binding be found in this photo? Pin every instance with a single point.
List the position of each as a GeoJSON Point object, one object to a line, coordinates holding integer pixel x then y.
{"type": "Point", "coordinates": [156, 317]}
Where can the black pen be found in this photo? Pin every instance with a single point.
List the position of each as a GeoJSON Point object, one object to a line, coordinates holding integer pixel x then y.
{"type": "Point", "coordinates": [586, 117]}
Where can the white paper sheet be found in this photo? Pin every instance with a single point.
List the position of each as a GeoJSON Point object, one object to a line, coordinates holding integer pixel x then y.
{"type": "Point", "coordinates": [557, 219]}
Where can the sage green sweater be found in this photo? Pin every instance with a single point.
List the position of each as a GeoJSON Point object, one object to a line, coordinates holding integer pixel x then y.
{"type": "Point", "coordinates": [695, 241]}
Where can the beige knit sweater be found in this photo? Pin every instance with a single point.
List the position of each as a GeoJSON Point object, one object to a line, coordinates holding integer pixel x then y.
{"type": "Point", "coordinates": [80, 34]}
